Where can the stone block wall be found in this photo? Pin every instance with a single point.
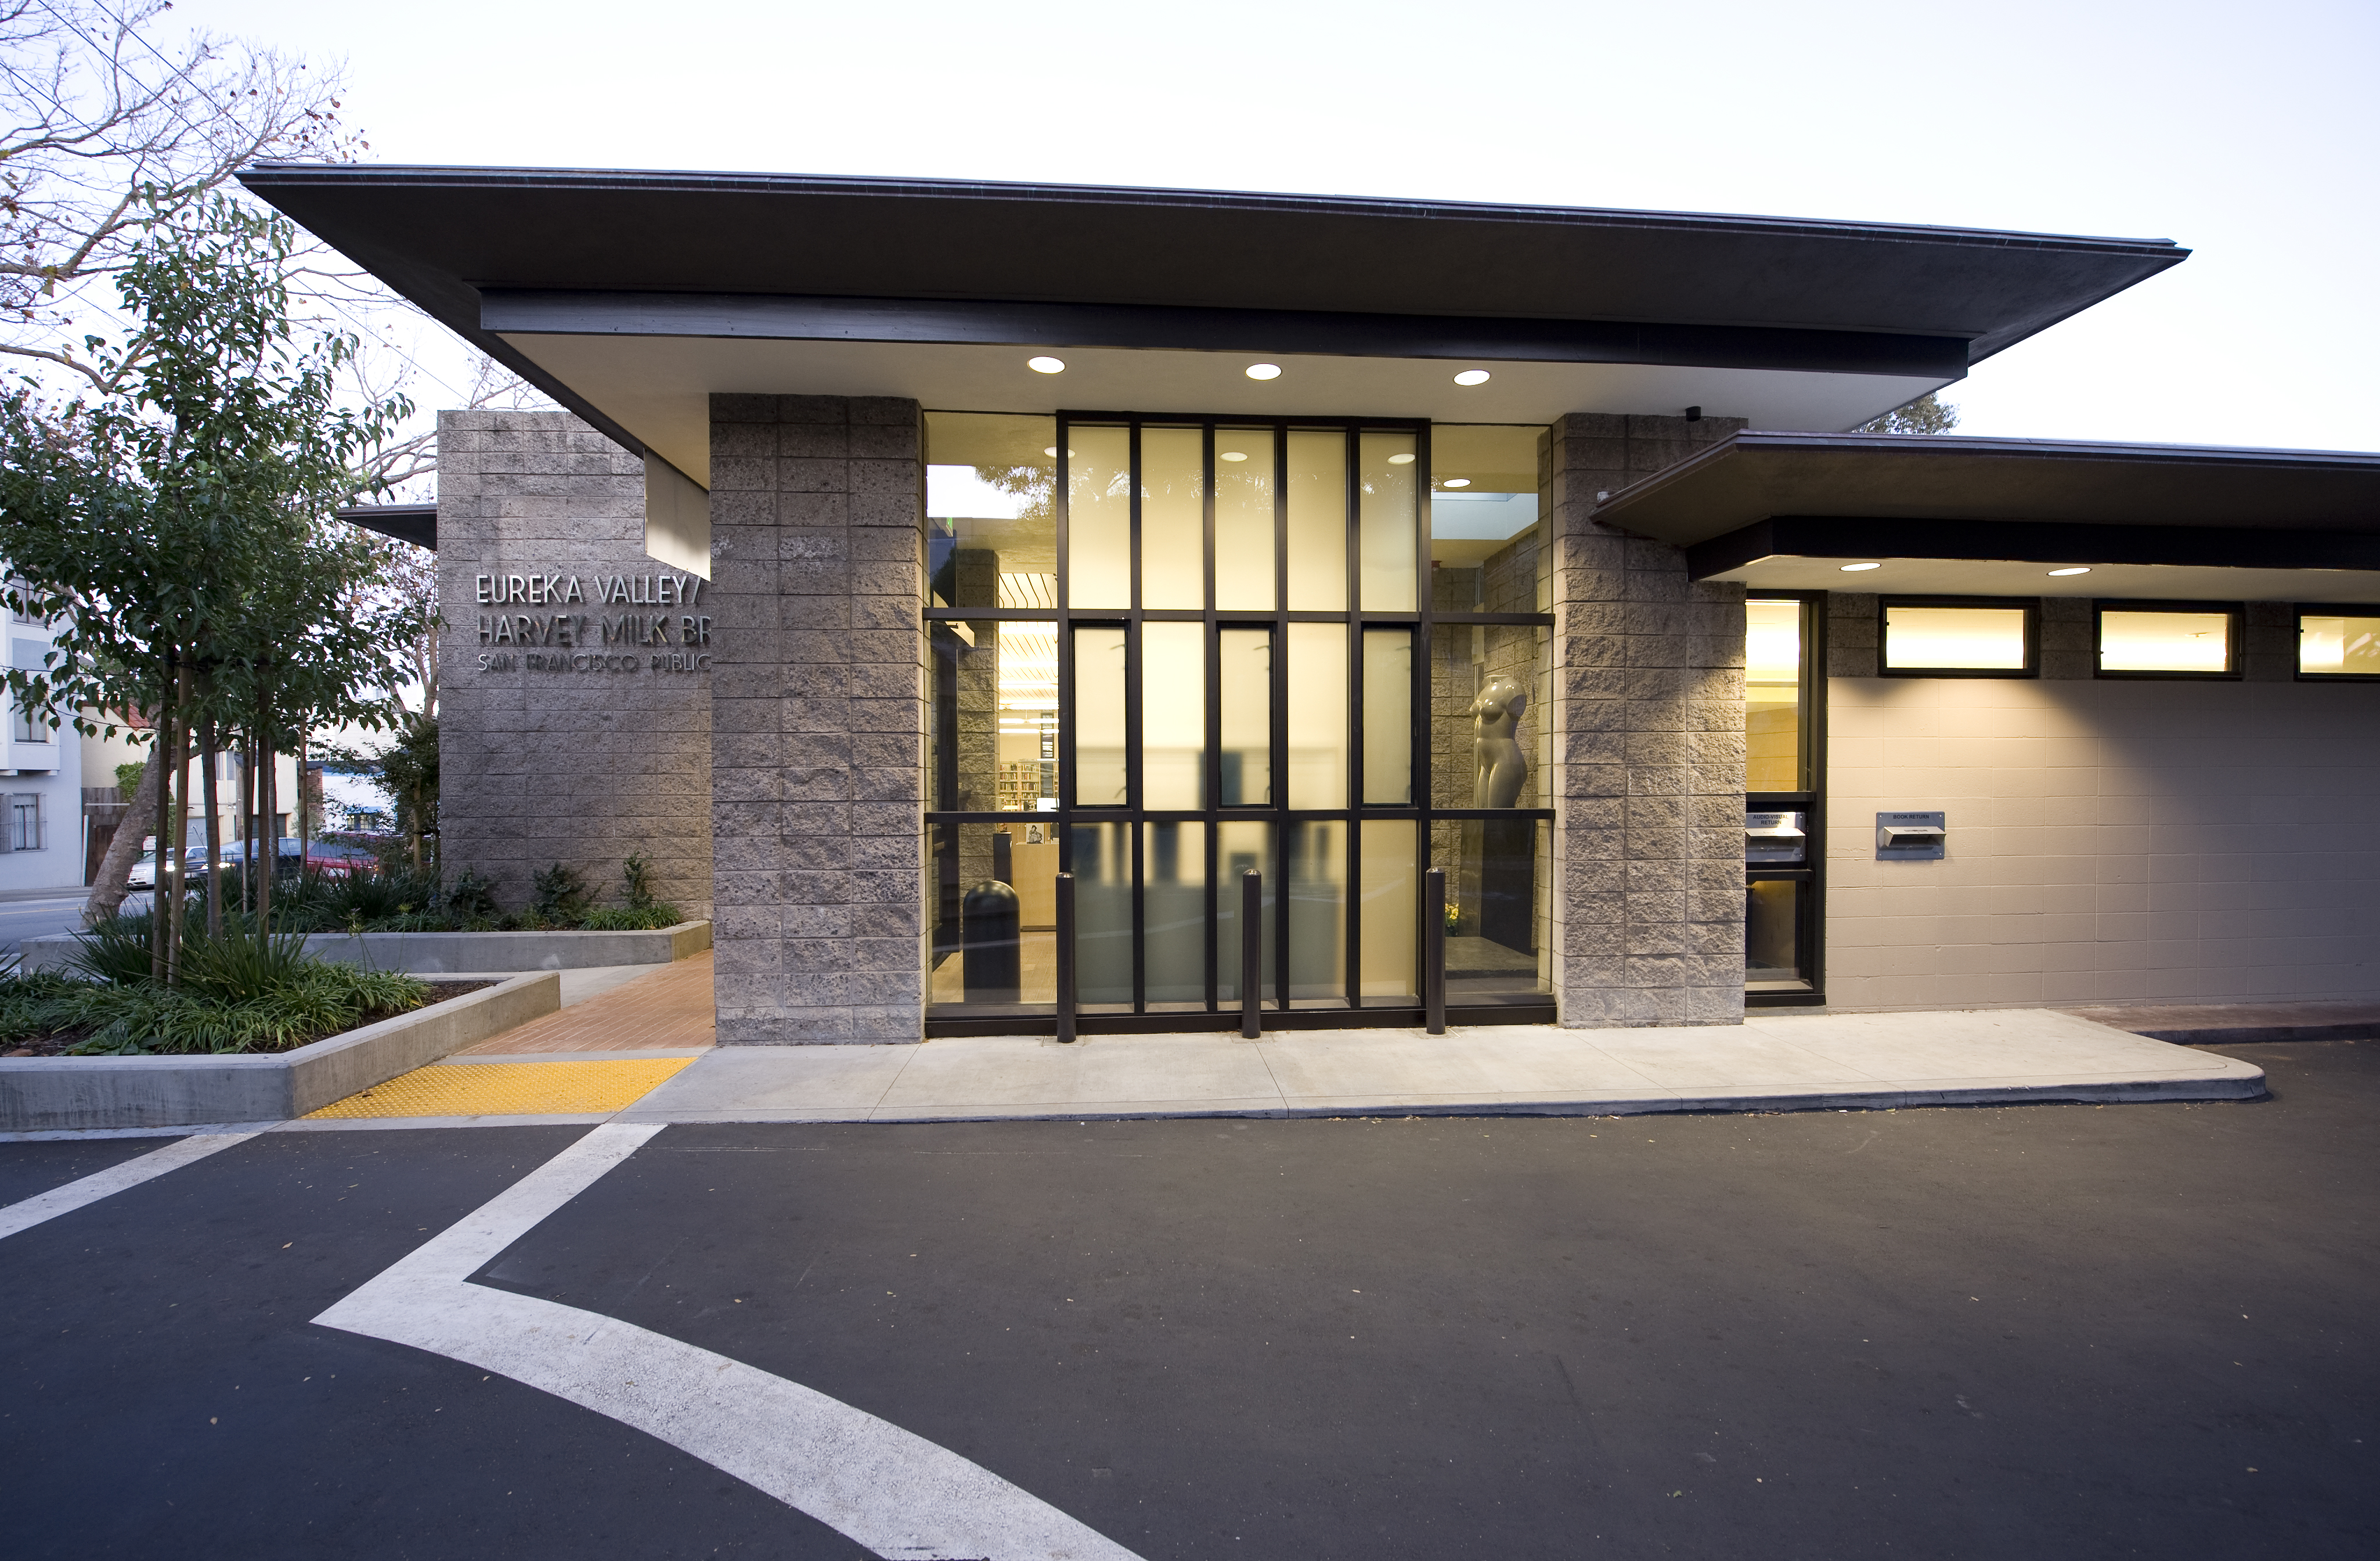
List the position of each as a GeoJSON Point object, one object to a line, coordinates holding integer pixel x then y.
{"type": "Point", "coordinates": [1648, 709]}
{"type": "Point", "coordinates": [818, 763]}
{"type": "Point", "coordinates": [586, 764]}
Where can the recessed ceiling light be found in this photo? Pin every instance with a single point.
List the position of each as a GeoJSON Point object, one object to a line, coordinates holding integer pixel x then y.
{"type": "Point", "coordinates": [1472, 376]}
{"type": "Point", "coordinates": [1457, 483]}
{"type": "Point", "coordinates": [1231, 454]}
{"type": "Point", "coordinates": [1856, 568]}
{"type": "Point", "coordinates": [1046, 365]}
{"type": "Point", "coordinates": [2077, 569]}
{"type": "Point", "coordinates": [1404, 460]}
{"type": "Point", "coordinates": [1264, 370]}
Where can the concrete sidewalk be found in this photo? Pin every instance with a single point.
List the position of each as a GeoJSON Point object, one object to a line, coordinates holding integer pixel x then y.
{"type": "Point", "coordinates": [1771, 1063]}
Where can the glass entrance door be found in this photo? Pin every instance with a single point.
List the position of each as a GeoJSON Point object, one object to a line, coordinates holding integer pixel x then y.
{"type": "Point", "coordinates": [1181, 649]}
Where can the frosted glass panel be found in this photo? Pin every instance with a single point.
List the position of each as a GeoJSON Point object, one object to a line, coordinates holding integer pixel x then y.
{"type": "Point", "coordinates": [1388, 718]}
{"type": "Point", "coordinates": [1318, 522]}
{"type": "Point", "coordinates": [1389, 521]}
{"type": "Point", "coordinates": [1173, 911]}
{"type": "Point", "coordinates": [1318, 913]}
{"type": "Point", "coordinates": [1954, 638]}
{"type": "Point", "coordinates": [1772, 696]}
{"type": "Point", "coordinates": [1244, 519]}
{"type": "Point", "coordinates": [2338, 645]}
{"type": "Point", "coordinates": [1172, 519]}
{"type": "Point", "coordinates": [1391, 897]}
{"type": "Point", "coordinates": [1173, 715]}
{"type": "Point", "coordinates": [1099, 517]}
{"type": "Point", "coordinates": [1098, 716]}
{"type": "Point", "coordinates": [2137, 641]}
{"type": "Point", "coordinates": [1102, 868]}
{"type": "Point", "coordinates": [1246, 700]}
{"type": "Point", "coordinates": [1241, 844]}
{"type": "Point", "coordinates": [1317, 715]}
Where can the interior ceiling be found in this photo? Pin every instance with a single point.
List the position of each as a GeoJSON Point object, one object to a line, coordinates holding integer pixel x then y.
{"type": "Point", "coordinates": [1958, 576]}
{"type": "Point", "coordinates": [658, 387]}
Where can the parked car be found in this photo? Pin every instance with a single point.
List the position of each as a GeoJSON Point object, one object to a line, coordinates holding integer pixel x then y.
{"type": "Point", "coordinates": [144, 871]}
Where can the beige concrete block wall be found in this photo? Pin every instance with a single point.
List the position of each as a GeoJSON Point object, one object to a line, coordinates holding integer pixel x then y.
{"type": "Point", "coordinates": [2110, 841]}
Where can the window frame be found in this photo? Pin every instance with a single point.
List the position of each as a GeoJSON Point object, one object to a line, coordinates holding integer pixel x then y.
{"type": "Point", "coordinates": [1810, 934]}
{"type": "Point", "coordinates": [2298, 613]}
{"type": "Point", "coordinates": [2234, 633]}
{"type": "Point", "coordinates": [2029, 606]}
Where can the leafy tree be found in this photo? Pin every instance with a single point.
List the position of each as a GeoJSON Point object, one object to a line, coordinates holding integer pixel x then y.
{"type": "Point", "coordinates": [177, 530]}
{"type": "Point", "coordinates": [1925, 415]}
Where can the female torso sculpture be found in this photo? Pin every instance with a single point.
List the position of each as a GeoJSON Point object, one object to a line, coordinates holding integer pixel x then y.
{"type": "Point", "coordinates": [1495, 748]}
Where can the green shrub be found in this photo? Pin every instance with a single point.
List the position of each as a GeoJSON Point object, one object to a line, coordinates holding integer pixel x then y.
{"type": "Point", "coordinates": [242, 965]}
{"type": "Point", "coordinates": [128, 779]}
{"type": "Point", "coordinates": [638, 874]}
{"type": "Point", "coordinates": [305, 1001]}
{"type": "Point", "coordinates": [114, 952]}
{"type": "Point", "coordinates": [559, 894]}
{"type": "Point", "coordinates": [471, 896]}
{"type": "Point", "coordinates": [641, 918]}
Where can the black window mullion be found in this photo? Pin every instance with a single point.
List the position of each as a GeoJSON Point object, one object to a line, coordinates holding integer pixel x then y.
{"type": "Point", "coordinates": [1139, 919]}
{"type": "Point", "coordinates": [1354, 886]}
{"type": "Point", "coordinates": [1424, 692]}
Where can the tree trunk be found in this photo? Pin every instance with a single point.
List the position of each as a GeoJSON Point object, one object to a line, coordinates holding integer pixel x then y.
{"type": "Point", "coordinates": [208, 751]}
{"type": "Point", "coordinates": [178, 906]}
{"type": "Point", "coordinates": [270, 839]}
{"type": "Point", "coordinates": [161, 749]}
{"type": "Point", "coordinates": [305, 812]}
{"type": "Point", "coordinates": [107, 890]}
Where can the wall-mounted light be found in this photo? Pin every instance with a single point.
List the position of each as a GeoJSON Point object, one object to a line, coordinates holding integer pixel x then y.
{"type": "Point", "coordinates": [1456, 482]}
{"type": "Point", "coordinates": [1401, 458]}
{"type": "Point", "coordinates": [1264, 370]}
{"type": "Point", "coordinates": [1472, 376]}
{"type": "Point", "coordinates": [2077, 569]}
{"type": "Point", "coordinates": [1856, 568]}
{"type": "Point", "coordinates": [1046, 365]}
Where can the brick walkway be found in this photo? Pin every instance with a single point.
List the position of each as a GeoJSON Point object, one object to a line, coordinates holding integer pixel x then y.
{"type": "Point", "coordinates": [669, 1010]}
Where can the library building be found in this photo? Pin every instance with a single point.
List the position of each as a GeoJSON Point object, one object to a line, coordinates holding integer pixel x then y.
{"type": "Point", "coordinates": [1012, 609]}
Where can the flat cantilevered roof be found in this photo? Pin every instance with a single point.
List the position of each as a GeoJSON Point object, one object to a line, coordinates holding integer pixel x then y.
{"type": "Point", "coordinates": [631, 296]}
{"type": "Point", "coordinates": [1946, 514]}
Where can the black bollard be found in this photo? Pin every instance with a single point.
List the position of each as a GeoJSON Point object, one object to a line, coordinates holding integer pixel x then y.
{"type": "Point", "coordinates": [1251, 953]}
{"type": "Point", "coordinates": [987, 930]}
{"type": "Point", "coordinates": [1433, 950]}
{"type": "Point", "coordinates": [1065, 893]}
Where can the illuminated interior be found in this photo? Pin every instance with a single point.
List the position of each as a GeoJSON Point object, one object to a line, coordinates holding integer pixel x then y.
{"type": "Point", "coordinates": [1918, 638]}
{"type": "Point", "coordinates": [2338, 645]}
{"type": "Point", "coordinates": [2135, 640]}
{"type": "Point", "coordinates": [1772, 695]}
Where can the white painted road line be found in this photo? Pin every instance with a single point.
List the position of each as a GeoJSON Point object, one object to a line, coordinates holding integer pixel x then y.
{"type": "Point", "coordinates": [894, 1492]}
{"type": "Point", "coordinates": [116, 1179]}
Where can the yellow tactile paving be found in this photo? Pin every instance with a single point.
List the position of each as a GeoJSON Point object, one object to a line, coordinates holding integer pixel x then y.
{"type": "Point", "coordinates": [510, 1088]}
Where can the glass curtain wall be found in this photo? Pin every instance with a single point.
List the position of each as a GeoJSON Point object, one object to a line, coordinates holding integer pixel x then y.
{"type": "Point", "coordinates": [1167, 651]}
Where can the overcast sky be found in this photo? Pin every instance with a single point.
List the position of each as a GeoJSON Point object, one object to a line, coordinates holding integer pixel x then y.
{"type": "Point", "coordinates": [2243, 132]}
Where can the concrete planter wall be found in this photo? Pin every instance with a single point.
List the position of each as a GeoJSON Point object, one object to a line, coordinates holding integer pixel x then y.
{"type": "Point", "coordinates": [446, 953]}
{"type": "Point", "coordinates": [48, 1093]}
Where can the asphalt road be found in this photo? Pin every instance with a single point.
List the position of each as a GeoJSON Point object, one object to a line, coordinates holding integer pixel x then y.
{"type": "Point", "coordinates": [2037, 1332]}
{"type": "Point", "coordinates": [20, 919]}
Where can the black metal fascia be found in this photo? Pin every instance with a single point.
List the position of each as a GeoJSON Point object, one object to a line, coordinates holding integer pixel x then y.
{"type": "Point", "coordinates": [522, 311]}
{"type": "Point", "coordinates": [416, 523]}
{"type": "Point", "coordinates": [2030, 541]}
